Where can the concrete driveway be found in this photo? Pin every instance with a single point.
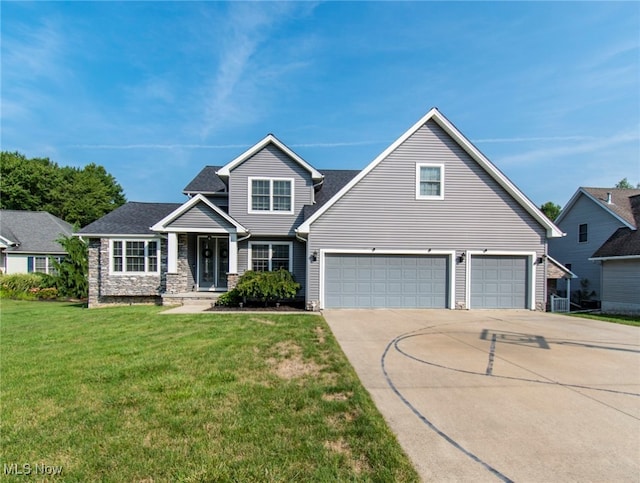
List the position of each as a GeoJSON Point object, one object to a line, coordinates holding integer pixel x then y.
{"type": "Point", "coordinates": [501, 395]}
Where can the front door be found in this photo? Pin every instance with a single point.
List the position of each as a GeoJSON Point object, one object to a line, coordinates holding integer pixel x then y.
{"type": "Point", "coordinates": [213, 263]}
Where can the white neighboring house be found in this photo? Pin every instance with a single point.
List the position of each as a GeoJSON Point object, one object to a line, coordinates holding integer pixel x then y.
{"type": "Point", "coordinates": [28, 241]}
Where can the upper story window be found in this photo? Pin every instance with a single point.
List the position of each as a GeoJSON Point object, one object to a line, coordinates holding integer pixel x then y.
{"type": "Point", "coordinates": [582, 233]}
{"type": "Point", "coordinates": [134, 256]}
{"type": "Point", "coordinates": [429, 181]}
{"type": "Point", "coordinates": [271, 195]}
{"type": "Point", "coordinates": [270, 256]}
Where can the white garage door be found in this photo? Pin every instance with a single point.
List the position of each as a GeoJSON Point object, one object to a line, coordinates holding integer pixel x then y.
{"type": "Point", "coordinates": [499, 282]}
{"type": "Point", "coordinates": [385, 281]}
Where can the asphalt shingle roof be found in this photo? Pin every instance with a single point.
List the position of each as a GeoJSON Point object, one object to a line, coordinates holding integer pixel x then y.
{"type": "Point", "coordinates": [33, 231]}
{"type": "Point", "coordinates": [206, 181]}
{"type": "Point", "coordinates": [334, 181]}
{"type": "Point", "coordinates": [624, 241]}
{"type": "Point", "coordinates": [620, 201]}
{"type": "Point", "coordinates": [133, 218]}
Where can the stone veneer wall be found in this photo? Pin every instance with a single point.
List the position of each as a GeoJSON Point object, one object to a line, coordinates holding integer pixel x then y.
{"type": "Point", "coordinates": [105, 288]}
{"type": "Point", "coordinates": [179, 282]}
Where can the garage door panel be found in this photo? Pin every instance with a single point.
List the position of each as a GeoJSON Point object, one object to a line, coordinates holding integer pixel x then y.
{"type": "Point", "coordinates": [499, 281]}
{"type": "Point", "coordinates": [376, 281]}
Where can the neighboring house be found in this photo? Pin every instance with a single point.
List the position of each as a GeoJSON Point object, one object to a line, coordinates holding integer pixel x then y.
{"type": "Point", "coordinates": [589, 219]}
{"type": "Point", "coordinates": [28, 240]}
{"type": "Point", "coordinates": [431, 222]}
{"type": "Point", "coordinates": [619, 257]}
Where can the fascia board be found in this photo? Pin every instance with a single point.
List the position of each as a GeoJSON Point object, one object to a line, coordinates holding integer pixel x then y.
{"type": "Point", "coordinates": [443, 122]}
{"type": "Point", "coordinates": [622, 257]}
{"type": "Point", "coordinates": [561, 266]}
{"type": "Point", "coordinates": [607, 209]}
{"type": "Point", "coordinates": [552, 230]}
{"type": "Point", "coordinates": [304, 227]}
{"type": "Point", "coordinates": [161, 225]}
{"type": "Point", "coordinates": [225, 171]}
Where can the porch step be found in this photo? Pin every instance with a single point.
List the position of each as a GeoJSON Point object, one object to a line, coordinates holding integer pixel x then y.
{"type": "Point", "coordinates": [191, 298]}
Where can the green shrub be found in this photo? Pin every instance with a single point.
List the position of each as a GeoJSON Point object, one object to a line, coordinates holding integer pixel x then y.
{"type": "Point", "coordinates": [229, 299]}
{"type": "Point", "coordinates": [267, 286]}
{"type": "Point", "coordinates": [72, 272]}
{"type": "Point", "coordinates": [24, 285]}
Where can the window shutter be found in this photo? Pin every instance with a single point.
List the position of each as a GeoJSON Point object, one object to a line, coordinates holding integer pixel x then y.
{"type": "Point", "coordinates": [29, 264]}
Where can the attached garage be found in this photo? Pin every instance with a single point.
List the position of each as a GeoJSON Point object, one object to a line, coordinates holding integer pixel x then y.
{"type": "Point", "coordinates": [386, 281]}
{"type": "Point", "coordinates": [499, 282]}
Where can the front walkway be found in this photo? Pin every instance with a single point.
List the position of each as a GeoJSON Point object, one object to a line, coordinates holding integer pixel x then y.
{"type": "Point", "coordinates": [501, 395]}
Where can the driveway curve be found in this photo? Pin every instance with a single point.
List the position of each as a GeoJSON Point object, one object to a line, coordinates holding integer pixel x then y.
{"type": "Point", "coordinates": [501, 395]}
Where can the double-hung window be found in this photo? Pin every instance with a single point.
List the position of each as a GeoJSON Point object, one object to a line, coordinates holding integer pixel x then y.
{"type": "Point", "coordinates": [582, 233]}
{"type": "Point", "coordinates": [429, 181]}
{"type": "Point", "coordinates": [270, 195]}
{"type": "Point", "coordinates": [134, 256]}
{"type": "Point", "coordinates": [42, 264]}
{"type": "Point", "coordinates": [270, 256]}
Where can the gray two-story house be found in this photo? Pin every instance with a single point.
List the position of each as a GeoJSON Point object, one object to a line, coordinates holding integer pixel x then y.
{"type": "Point", "coordinates": [590, 218]}
{"type": "Point", "coordinates": [429, 223]}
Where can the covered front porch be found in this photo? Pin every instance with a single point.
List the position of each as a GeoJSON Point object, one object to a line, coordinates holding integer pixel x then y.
{"type": "Point", "coordinates": [202, 263]}
{"type": "Point", "coordinates": [202, 251]}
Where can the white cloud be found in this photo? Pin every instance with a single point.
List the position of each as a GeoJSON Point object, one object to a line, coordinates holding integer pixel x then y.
{"type": "Point", "coordinates": [553, 153]}
{"type": "Point", "coordinates": [236, 88]}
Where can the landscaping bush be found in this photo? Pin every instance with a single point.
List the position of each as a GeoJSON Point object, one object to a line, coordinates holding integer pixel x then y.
{"type": "Point", "coordinates": [229, 299]}
{"type": "Point", "coordinates": [28, 286]}
{"type": "Point", "coordinates": [265, 287]}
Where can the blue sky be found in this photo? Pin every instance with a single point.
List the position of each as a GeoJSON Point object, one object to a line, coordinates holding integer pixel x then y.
{"type": "Point", "coordinates": [154, 91]}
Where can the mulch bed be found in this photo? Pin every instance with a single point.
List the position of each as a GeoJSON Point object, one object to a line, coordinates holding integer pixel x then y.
{"type": "Point", "coordinates": [258, 307]}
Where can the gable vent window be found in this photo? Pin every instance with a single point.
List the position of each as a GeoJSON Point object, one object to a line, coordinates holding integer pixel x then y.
{"type": "Point", "coordinates": [271, 195]}
{"type": "Point", "coordinates": [582, 233]}
{"type": "Point", "coordinates": [134, 256]}
{"type": "Point", "coordinates": [429, 181]}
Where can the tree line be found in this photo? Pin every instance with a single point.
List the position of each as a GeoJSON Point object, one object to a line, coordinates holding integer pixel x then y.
{"type": "Point", "coordinates": [77, 195]}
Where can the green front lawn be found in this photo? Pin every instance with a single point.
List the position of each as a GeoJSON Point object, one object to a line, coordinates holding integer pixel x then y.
{"type": "Point", "coordinates": [618, 319]}
{"type": "Point", "coordinates": [125, 394]}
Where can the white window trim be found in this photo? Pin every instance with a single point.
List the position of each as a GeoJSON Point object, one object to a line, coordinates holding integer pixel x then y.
{"type": "Point", "coordinates": [270, 211]}
{"type": "Point", "coordinates": [124, 256]}
{"type": "Point", "coordinates": [48, 262]}
{"type": "Point", "coordinates": [429, 165]}
{"type": "Point", "coordinates": [270, 243]}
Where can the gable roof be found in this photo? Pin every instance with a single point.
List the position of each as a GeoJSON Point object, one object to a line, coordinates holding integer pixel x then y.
{"type": "Point", "coordinates": [560, 267]}
{"type": "Point", "coordinates": [32, 231]}
{"type": "Point", "coordinates": [206, 182]}
{"type": "Point", "coordinates": [620, 206]}
{"type": "Point", "coordinates": [132, 218]}
{"type": "Point", "coordinates": [625, 242]}
{"type": "Point", "coordinates": [162, 224]}
{"type": "Point", "coordinates": [269, 139]}
{"type": "Point", "coordinates": [469, 148]}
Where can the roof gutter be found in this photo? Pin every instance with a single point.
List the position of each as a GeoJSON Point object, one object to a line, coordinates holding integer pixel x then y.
{"type": "Point", "coordinates": [621, 257]}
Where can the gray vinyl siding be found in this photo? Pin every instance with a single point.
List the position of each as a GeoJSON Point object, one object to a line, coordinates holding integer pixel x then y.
{"type": "Point", "coordinates": [600, 226]}
{"type": "Point", "coordinates": [201, 216]}
{"type": "Point", "coordinates": [381, 211]}
{"type": "Point", "coordinates": [299, 257]}
{"type": "Point", "coordinates": [270, 162]}
{"type": "Point", "coordinates": [621, 286]}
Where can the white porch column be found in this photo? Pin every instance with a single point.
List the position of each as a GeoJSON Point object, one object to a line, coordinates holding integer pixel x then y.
{"type": "Point", "coordinates": [172, 253]}
{"type": "Point", "coordinates": [233, 253]}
